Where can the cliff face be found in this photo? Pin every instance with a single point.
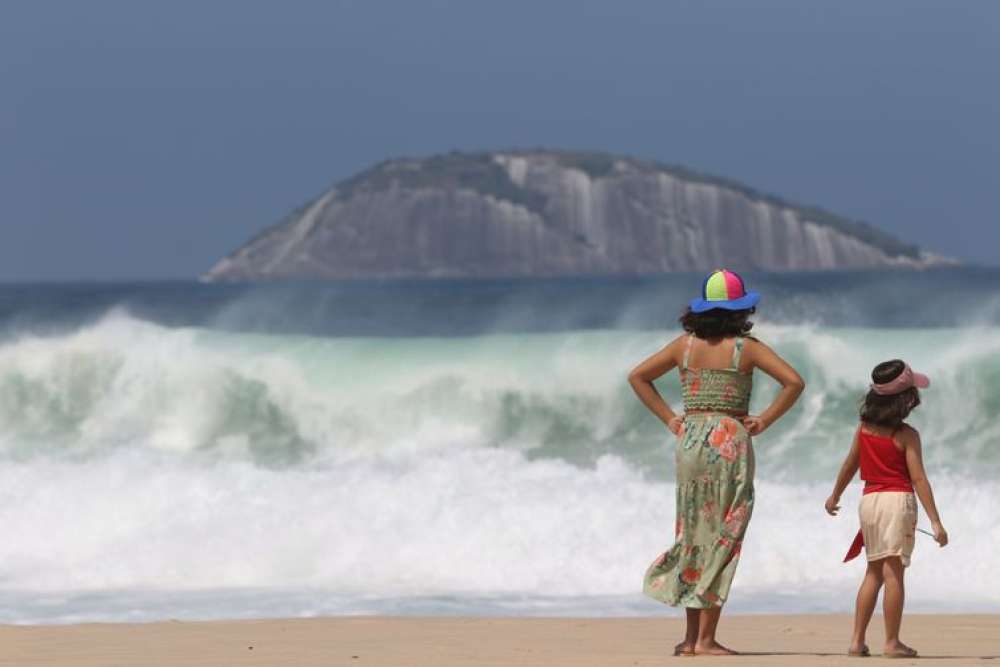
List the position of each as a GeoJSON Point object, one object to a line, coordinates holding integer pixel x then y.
{"type": "Point", "coordinates": [546, 213]}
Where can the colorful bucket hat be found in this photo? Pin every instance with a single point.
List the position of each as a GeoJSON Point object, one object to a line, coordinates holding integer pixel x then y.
{"type": "Point", "coordinates": [724, 289]}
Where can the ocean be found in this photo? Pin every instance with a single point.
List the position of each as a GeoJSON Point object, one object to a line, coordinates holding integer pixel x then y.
{"type": "Point", "coordinates": [181, 450]}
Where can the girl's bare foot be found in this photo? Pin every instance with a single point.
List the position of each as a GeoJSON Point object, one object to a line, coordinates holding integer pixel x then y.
{"type": "Point", "coordinates": [684, 648]}
{"type": "Point", "coordinates": [859, 651]}
{"type": "Point", "coordinates": [713, 648]}
{"type": "Point", "coordinates": [898, 649]}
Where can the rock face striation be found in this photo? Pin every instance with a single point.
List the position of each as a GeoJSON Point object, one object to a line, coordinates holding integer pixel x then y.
{"type": "Point", "coordinates": [551, 213]}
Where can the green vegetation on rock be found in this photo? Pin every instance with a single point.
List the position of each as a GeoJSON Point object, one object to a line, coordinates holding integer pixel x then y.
{"type": "Point", "coordinates": [472, 171]}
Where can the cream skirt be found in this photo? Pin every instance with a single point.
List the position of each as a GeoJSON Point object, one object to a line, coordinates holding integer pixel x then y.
{"type": "Point", "coordinates": [888, 522]}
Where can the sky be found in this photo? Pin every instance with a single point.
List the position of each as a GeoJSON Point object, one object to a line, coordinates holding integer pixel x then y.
{"type": "Point", "coordinates": [145, 140]}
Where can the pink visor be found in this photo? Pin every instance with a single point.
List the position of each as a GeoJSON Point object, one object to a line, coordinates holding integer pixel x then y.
{"type": "Point", "coordinates": [908, 378]}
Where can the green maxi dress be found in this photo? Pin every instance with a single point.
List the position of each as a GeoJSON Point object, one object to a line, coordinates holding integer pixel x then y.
{"type": "Point", "coordinates": [715, 470]}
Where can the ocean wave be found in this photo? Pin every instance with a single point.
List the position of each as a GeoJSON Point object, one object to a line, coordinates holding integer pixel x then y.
{"type": "Point", "coordinates": [127, 384]}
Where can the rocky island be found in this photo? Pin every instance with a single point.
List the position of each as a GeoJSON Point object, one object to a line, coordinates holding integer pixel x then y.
{"type": "Point", "coordinates": [552, 213]}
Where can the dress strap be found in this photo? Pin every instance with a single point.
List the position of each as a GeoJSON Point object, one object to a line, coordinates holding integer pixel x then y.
{"type": "Point", "coordinates": [687, 353]}
{"type": "Point", "coordinates": [737, 353]}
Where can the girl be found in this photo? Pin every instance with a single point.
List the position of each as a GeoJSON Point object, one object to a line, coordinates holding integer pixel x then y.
{"type": "Point", "coordinates": [888, 452]}
{"type": "Point", "coordinates": [715, 460]}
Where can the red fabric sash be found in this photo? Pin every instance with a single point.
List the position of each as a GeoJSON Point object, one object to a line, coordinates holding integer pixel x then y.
{"type": "Point", "coordinates": [852, 553]}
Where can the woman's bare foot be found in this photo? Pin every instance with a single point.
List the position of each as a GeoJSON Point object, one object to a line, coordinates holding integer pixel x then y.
{"type": "Point", "coordinates": [859, 651]}
{"type": "Point", "coordinates": [898, 649]}
{"type": "Point", "coordinates": [684, 648]}
{"type": "Point", "coordinates": [713, 648]}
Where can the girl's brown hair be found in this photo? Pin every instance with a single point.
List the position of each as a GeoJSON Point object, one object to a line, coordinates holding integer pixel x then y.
{"type": "Point", "coordinates": [888, 411]}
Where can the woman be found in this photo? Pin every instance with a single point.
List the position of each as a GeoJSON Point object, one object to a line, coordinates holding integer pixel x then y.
{"type": "Point", "coordinates": [715, 459]}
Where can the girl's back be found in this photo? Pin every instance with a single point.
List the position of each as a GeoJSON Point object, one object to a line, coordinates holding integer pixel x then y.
{"type": "Point", "coordinates": [882, 462]}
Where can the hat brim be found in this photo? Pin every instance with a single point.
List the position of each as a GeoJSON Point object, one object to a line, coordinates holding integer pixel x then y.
{"type": "Point", "coordinates": [745, 302]}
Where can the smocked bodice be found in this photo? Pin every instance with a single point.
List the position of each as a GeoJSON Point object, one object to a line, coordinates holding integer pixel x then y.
{"type": "Point", "coordinates": [716, 389]}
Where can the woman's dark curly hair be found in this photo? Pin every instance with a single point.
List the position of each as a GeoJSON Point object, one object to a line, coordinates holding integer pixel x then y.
{"type": "Point", "coordinates": [718, 322]}
{"type": "Point", "coordinates": [888, 411]}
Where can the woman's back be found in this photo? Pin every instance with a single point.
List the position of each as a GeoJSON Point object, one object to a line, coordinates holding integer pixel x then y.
{"type": "Point", "coordinates": [718, 353]}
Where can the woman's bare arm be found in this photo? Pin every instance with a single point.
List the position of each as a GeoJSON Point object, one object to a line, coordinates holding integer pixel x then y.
{"type": "Point", "coordinates": [844, 477]}
{"type": "Point", "coordinates": [642, 376]}
{"type": "Point", "coordinates": [910, 440]}
{"type": "Point", "coordinates": [791, 383]}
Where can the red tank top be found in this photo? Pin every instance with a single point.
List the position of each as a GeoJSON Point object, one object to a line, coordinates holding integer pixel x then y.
{"type": "Point", "coordinates": [883, 464]}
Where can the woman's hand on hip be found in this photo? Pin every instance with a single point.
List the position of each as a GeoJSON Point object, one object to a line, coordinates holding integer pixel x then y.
{"type": "Point", "coordinates": [754, 425]}
{"type": "Point", "coordinates": [676, 425]}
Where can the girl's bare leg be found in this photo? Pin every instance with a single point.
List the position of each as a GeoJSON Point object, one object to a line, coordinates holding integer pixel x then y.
{"type": "Point", "coordinates": [691, 634]}
{"type": "Point", "coordinates": [892, 574]}
{"type": "Point", "coordinates": [867, 598]}
{"type": "Point", "coordinates": [707, 645]}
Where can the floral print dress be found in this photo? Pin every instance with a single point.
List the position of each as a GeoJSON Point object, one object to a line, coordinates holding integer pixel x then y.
{"type": "Point", "coordinates": [715, 470]}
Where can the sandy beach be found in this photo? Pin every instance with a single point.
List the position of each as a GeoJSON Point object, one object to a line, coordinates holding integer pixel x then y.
{"type": "Point", "coordinates": [444, 642]}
